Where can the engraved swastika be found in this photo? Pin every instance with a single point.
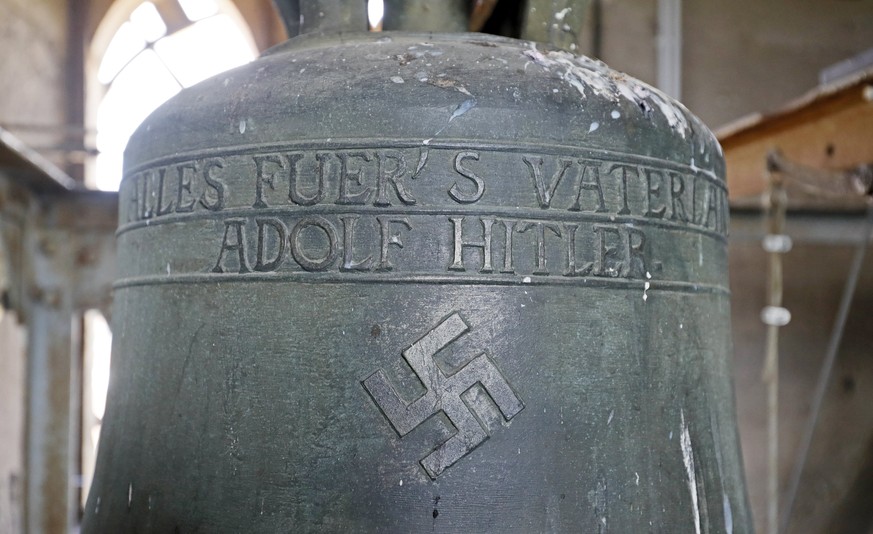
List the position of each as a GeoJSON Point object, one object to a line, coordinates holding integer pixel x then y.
{"type": "Point", "coordinates": [444, 394]}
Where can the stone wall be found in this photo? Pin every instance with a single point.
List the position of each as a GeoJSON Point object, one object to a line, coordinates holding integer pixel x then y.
{"type": "Point", "coordinates": [32, 73]}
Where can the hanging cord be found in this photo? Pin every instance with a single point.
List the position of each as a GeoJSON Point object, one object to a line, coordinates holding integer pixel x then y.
{"type": "Point", "coordinates": [828, 363]}
{"type": "Point", "coordinates": [857, 182]}
{"type": "Point", "coordinates": [774, 316]}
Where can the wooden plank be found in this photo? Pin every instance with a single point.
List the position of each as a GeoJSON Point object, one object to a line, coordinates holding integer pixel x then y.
{"type": "Point", "coordinates": [29, 168]}
{"type": "Point", "coordinates": [830, 129]}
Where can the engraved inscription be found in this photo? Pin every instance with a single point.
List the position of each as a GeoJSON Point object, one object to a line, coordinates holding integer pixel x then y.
{"type": "Point", "coordinates": [458, 194]}
{"type": "Point", "coordinates": [386, 178]}
{"type": "Point", "coordinates": [376, 177]}
{"type": "Point", "coordinates": [175, 189]}
{"type": "Point", "coordinates": [450, 213]}
{"type": "Point", "coordinates": [314, 243]}
{"type": "Point", "coordinates": [444, 394]}
{"type": "Point", "coordinates": [548, 248]}
{"type": "Point", "coordinates": [489, 246]}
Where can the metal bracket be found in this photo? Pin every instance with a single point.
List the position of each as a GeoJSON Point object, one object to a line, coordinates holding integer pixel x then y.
{"type": "Point", "coordinates": [58, 251]}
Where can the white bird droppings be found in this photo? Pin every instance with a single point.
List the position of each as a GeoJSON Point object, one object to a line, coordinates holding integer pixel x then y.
{"type": "Point", "coordinates": [688, 460]}
{"type": "Point", "coordinates": [728, 514]}
{"type": "Point", "coordinates": [585, 74]}
{"type": "Point", "coordinates": [563, 13]}
{"type": "Point", "coordinates": [397, 79]}
{"type": "Point", "coordinates": [462, 108]}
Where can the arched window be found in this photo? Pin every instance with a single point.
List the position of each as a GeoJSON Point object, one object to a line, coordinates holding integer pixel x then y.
{"type": "Point", "coordinates": [144, 53]}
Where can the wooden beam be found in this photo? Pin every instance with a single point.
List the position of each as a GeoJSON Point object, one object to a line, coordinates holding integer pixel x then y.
{"type": "Point", "coordinates": [830, 129]}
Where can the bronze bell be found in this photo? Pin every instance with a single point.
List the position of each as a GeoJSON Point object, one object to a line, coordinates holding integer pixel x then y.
{"type": "Point", "coordinates": [400, 282]}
